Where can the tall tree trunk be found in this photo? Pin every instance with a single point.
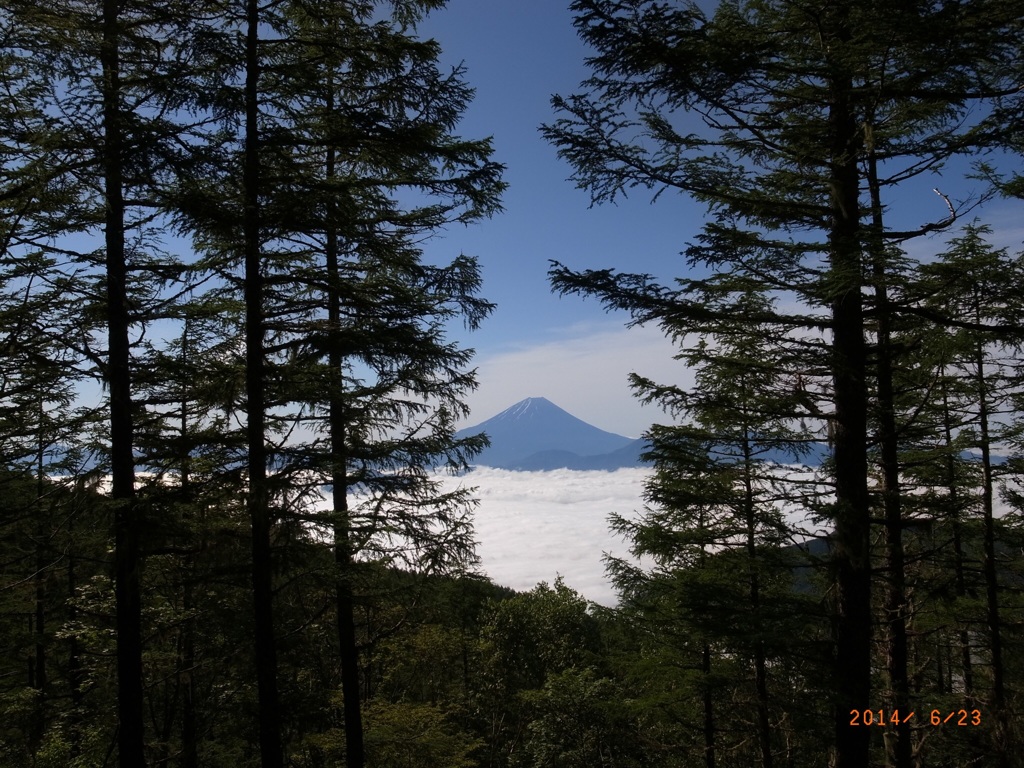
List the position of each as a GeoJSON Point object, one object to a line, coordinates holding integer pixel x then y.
{"type": "Point", "coordinates": [187, 664]}
{"type": "Point", "coordinates": [189, 730]}
{"type": "Point", "coordinates": [850, 550]}
{"type": "Point", "coordinates": [258, 500]}
{"type": "Point", "coordinates": [764, 728]}
{"type": "Point", "coordinates": [709, 708]}
{"type": "Point", "coordinates": [707, 697]}
{"type": "Point", "coordinates": [346, 624]}
{"type": "Point", "coordinates": [966, 663]}
{"type": "Point", "coordinates": [888, 439]}
{"type": "Point", "coordinates": [37, 669]}
{"type": "Point", "coordinates": [76, 674]}
{"type": "Point", "coordinates": [960, 580]}
{"type": "Point", "coordinates": [1001, 742]}
{"type": "Point", "coordinates": [127, 562]}
{"type": "Point", "coordinates": [348, 647]}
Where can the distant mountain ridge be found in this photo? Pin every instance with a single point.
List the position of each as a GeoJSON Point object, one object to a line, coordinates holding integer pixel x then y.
{"type": "Point", "coordinates": [535, 434]}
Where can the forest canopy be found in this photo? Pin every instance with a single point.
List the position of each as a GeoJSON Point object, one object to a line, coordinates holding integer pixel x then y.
{"type": "Point", "coordinates": [228, 387]}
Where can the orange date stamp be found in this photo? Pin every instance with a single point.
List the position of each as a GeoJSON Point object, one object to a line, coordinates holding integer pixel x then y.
{"type": "Point", "coordinates": [880, 717]}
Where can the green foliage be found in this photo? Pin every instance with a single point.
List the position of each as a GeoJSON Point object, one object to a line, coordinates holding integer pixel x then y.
{"type": "Point", "coordinates": [399, 734]}
{"type": "Point", "coordinates": [729, 640]}
{"type": "Point", "coordinates": [537, 633]}
{"type": "Point", "coordinates": [804, 323]}
{"type": "Point", "coordinates": [579, 720]}
{"type": "Point", "coordinates": [412, 735]}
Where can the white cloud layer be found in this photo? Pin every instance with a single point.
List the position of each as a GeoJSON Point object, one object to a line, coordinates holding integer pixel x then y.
{"type": "Point", "coordinates": [535, 526]}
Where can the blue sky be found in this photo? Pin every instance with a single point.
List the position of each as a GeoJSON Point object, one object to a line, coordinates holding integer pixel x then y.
{"type": "Point", "coordinates": [517, 54]}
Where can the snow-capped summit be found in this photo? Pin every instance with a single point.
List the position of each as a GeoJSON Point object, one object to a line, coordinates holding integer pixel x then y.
{"type": "Point", "coordinates": [537, 434]}
{"type": "Point", "coordinates": [529, 408]}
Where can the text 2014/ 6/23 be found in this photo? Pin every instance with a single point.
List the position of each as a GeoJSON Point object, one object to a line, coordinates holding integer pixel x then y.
{"type": "Point", "coordinates": [961, 717]}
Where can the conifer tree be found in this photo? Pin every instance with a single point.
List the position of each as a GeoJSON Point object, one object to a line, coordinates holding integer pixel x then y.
{"type": "Point", "coordinates": [794, 99]}
{"type": "Point", "coordinates": [713, 523]}
{"type": "Point", "coordinates": [110, 142]}
{"type": "Point", "coordinates": [976, 282]}
{"type": "Point", "coordinates": [43, 431]}
{"type": "Point", "coordinates": [345, 160]}
{"type": "Point", "coordinates": [392, 387]}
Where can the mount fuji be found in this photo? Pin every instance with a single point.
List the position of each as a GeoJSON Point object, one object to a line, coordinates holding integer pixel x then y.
{"type": "Point", "coordinates": [535, 434]}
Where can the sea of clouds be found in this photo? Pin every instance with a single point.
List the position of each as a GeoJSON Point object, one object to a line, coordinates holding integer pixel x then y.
{"type": "Point", "coordinates": [536, 526]}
